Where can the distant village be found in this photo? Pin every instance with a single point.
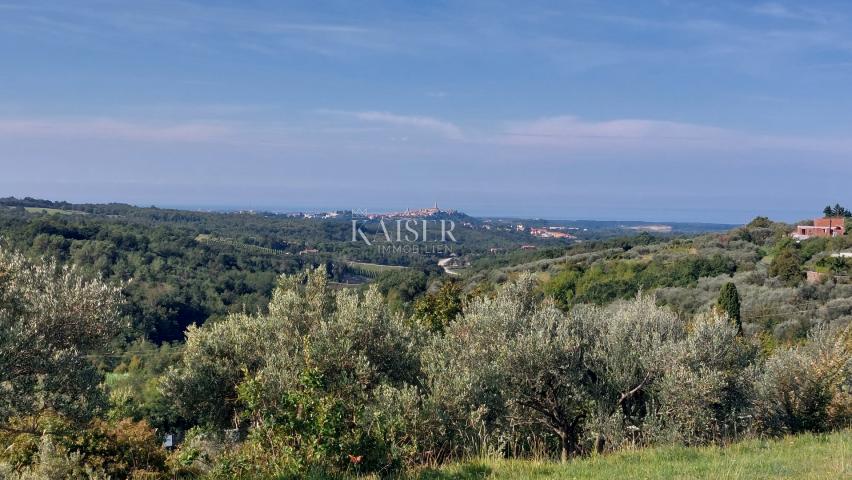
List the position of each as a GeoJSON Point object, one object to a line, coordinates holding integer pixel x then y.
{"type": "Point", "coordinates": [411, 213]}
{"type": "Point", "coordinates": [407, 213]}
{"type": "Point", "coordinates": [540, 228]}
{"type": "Point", "coordinates": [548, 232]}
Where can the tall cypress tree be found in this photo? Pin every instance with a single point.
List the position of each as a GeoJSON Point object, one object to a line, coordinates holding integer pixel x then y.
{"type": "Point", "coordinates": [729, 302]}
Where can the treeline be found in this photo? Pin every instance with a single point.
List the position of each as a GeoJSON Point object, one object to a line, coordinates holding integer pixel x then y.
{"type": "Point", "coordinates": [171, 280]}
{"type": "Point", "coordinates": [604, 282]}
{"type": "Point", "coordinates": [174, 277]}
{"type": "Point", "coordinates": [331, 382]}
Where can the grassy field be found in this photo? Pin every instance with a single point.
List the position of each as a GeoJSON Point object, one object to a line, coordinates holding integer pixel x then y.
{"type": "Point", "coordinates": [54, 211]}
{"type": "Point", "coordinates": [211, 239]}
{"type": "Point", "coordinates": [374, 267]}
{"type": "Point", "coordinates": [799, 457]}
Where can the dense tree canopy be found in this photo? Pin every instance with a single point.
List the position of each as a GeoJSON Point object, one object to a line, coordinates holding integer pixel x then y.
{"type": "Point", "coordinates": [51, 321]}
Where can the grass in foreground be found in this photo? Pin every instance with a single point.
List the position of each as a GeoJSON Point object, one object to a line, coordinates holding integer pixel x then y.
{"type": "Point", "coordinates": [795, 457]}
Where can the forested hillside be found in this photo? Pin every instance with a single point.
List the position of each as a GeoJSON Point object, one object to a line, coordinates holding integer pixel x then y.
{"type": "Point", "coordinates": [124, 328]}
{"type": "Point", "coordinates": [767, 267]}
{"type": "Point", "coordinates": [182, 267]}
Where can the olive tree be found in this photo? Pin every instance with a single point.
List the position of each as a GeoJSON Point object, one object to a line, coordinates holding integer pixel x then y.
{"type": "Point", "coordinates": [512, 361]}
{"type": "Point", "coordinates": [302, 378]}
{"type": "Point", "coordinates": [219, 356]}
{"type": "Point", "coordinates": [809, 387]}
{"type": "Point", "coordinates": [215, 360]}
{"type": "Point", "coordinates": [52, 320]}
{"type": "Point", "coordinates": [705, 392]}
{"type": "Point", "coordinates": [632, 341]}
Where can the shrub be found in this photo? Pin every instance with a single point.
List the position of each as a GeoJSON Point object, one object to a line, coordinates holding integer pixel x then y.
{"type": "Point", "coordinates": [436, 310]}
{"type": "Point", "coordinates": [516, 365]}
{"type": "Point", "coordinates": [333, 383]}
{"type": "Point", "coordinates": [807, 388]}
{"type": "Point", "coordinates": [122, 449]}
{"type": "Point", "coordinates": [787, 266]}
{"type": "Point", "coordinates": [301, 380]}
{"type": "Point", "coordinates": [51, 462]}
{"type": "Point", "coordinates": [632, 344]}
{"type": "Point", "coordinates": [706, 389]}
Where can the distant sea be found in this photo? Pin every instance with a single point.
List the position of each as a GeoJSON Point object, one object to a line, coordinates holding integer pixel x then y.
{"type": "Point", "coordinates": [379, 209]}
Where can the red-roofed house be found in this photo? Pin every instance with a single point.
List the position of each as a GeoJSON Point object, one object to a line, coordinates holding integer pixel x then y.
{"type": "Point", "coordinates": [822, 227]}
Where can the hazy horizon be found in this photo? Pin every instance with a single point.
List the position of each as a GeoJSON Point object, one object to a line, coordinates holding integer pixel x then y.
{"type": "Point", "coordinates": [481, 212]}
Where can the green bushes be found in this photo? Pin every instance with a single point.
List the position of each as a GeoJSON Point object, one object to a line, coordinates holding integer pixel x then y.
{"type": "Point", "coordinates": [807, 388]}
{"type": "Point", "coordinates": [787, 266]}
{"type": "Point", "coordinates": [596, 378]}
{"type": "Point", "coordinates": [331, 382]}
{"type": "Point", "coordinates": [509, 364]}
{"type": "Point", "coordinates": [604, 282]}
{"type": "Point", "coordinates": [438, 309]}
{"type": "Point", "coordinates": [705, 393]}
{"type": "Point", "coordinates": [835, 265]}
{"type": "Point", "coordinates": [306, 382]}
{"type": "Point", "coordinates": [336, 382]}
{"type": "Point", "coordinates": [100, 449]}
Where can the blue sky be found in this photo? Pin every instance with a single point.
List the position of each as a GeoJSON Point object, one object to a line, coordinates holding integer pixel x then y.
{"type": "Point", "coordinates": [669, 110]}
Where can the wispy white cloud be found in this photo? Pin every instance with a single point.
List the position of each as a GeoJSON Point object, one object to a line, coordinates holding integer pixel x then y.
{"type": "Point", "coordinates": [319, 28]}
{"type": "Point", "coordinates": [430, 124]}
{"type": "Point", "coordinates": [185, 24]}
{"type": "Point", "coordinates": [798, 13]}
{"type": "Point", "coordinates": [382, 130]}
{"type": "Point", "coordinates": [567, 130]}
{"type": "Point", "coordinates": [111, 129]}
{"type": "Point", "coordinates": [633, 135]}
